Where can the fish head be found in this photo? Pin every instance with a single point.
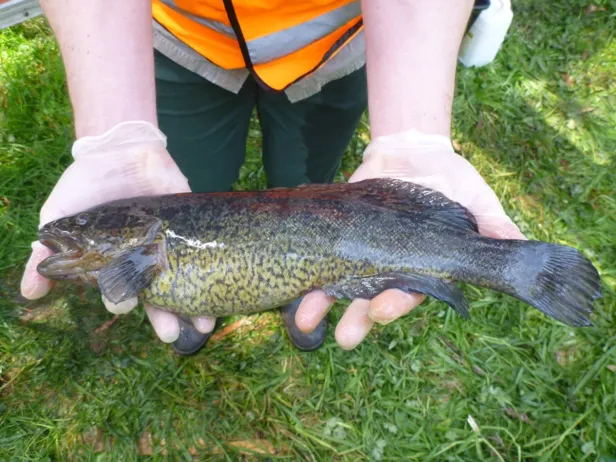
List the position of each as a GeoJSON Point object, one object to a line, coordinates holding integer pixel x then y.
{"type": "Point", "coordinates": [84, 243]}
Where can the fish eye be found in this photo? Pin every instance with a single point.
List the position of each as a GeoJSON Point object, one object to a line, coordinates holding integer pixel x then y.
{"type": "Point", "coordinates": [81, 219]}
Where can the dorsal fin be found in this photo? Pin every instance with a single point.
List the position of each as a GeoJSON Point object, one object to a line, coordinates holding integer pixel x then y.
{"type": "Point", "coordinates": [398, 195]}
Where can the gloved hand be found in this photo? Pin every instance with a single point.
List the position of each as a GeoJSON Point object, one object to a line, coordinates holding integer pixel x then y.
{"type": "Point", "coordinates": [129, 160]}
{"type": "Point", "coordinates": [428, 160]}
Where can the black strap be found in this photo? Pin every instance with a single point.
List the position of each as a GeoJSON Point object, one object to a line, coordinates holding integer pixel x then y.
{"type": "Point", "coordinates": [246, 55]}
{"type": "Point", "coordinates": [235, 24]}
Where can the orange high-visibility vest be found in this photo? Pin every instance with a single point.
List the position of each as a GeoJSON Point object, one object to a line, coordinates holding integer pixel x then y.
{"type": "Point", "coordinates": [278, 41]}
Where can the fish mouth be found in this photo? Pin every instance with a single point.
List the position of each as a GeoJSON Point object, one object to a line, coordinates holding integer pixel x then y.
{"type": "Point", "coordinates": [61, 243]}
{"type": "Point", "coordinates": [67, 260]}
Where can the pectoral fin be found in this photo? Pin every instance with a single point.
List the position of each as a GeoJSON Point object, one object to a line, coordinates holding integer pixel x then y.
{"type": "Point", "coordinates": [369, 287]}
{"type": "Point", "coordinates": [129, 273]}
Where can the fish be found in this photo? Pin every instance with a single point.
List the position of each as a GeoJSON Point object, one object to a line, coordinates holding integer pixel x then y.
{"type": "Point", "coordinates": [243, 252]}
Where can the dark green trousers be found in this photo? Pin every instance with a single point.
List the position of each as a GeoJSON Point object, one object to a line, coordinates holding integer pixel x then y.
{"type": "Point", "coordinates": [207, 127]}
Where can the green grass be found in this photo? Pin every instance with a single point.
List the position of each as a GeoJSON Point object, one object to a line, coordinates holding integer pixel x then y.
{"type": "Point", "coordinates": [539, 124]}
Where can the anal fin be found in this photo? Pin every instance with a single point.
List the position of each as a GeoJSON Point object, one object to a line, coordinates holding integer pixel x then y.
{"type": "Point", "coordinates": [129, 273]}
{"type": "Point", "coordinates": [368, 287]}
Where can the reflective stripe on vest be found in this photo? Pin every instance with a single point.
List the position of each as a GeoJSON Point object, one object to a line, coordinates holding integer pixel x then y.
{"type": "Point", "coordinates": [277, 58]}
{"type": "Point", "coordinates": [284, 42]}
{"type": "Point", "coordinates": [214, 25]}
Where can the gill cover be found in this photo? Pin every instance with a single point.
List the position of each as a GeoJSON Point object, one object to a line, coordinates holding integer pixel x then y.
{"type": "Point", "coordinates": [133, 269]}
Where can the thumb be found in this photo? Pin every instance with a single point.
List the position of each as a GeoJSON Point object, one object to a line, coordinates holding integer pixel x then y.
{"type": "Point", "coordinates": [498, 226]}
{"type": "Point", "coordinates": [363, 172]}
{"type": "Point", "coordinates": [33, 285]}
{"type": "Point", "coordinates": [492, 220]}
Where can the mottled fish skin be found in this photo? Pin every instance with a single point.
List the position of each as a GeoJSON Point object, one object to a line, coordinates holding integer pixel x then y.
{"type": "Point", "coordinates": [240, 253]}
{"type": "Point", "coordinates": [268, 253]}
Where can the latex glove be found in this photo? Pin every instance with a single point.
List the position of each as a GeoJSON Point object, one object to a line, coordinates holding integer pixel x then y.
{"type": "Point", "coordinates": [129, 160]}
{"type": "Point", "coordinates": [428, 160]}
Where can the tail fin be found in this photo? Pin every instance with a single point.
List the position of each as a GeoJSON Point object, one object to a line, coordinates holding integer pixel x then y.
{"type": "Point", "coordinates": [564, 286]}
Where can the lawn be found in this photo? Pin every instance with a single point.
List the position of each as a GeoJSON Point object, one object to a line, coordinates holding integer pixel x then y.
{"type": "Point", "coordinates": [510, 384]}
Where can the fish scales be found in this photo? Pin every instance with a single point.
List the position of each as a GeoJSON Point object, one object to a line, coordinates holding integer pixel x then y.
{"type": "Point", "coordinates": [266, 254]}
{"type": "Point", "coordinates": [243, 252]}
{"type": "Point", "coordinates": [270, 252]}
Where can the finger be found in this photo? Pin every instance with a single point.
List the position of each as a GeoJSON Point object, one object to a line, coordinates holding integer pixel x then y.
{"type": "Point", "coordinates": [354, 324]}
{"type": "Point", "coordinates": [204, 324]}
{"type": "Point", "coordinates": [499, 228]}
{"type": "Point", "coordinates": [33, 285]}
{"type": "Point", "coordinates": [393, 304]}
{"type": "Point", "coordinates": [364, 171]}
{"type": "Point", "coordinates": [492, 220]}
{"type": "Point", "coordinates": [165, 324]}
{"type": "Point", "coordinates": [122, 307]}
{"type": "Point", "coordinates": [312, 310]}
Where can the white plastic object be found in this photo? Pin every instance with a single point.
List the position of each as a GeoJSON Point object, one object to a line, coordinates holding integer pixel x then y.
{"type": "Point", "coordinates": [485, 37]}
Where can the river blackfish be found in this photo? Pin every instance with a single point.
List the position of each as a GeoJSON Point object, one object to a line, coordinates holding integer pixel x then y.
{"type": "Point", "coordinates": [242, 252]}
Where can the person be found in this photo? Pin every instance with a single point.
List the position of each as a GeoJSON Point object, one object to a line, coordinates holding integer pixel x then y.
{"type": "Point", "coordinates": [148, 75]}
